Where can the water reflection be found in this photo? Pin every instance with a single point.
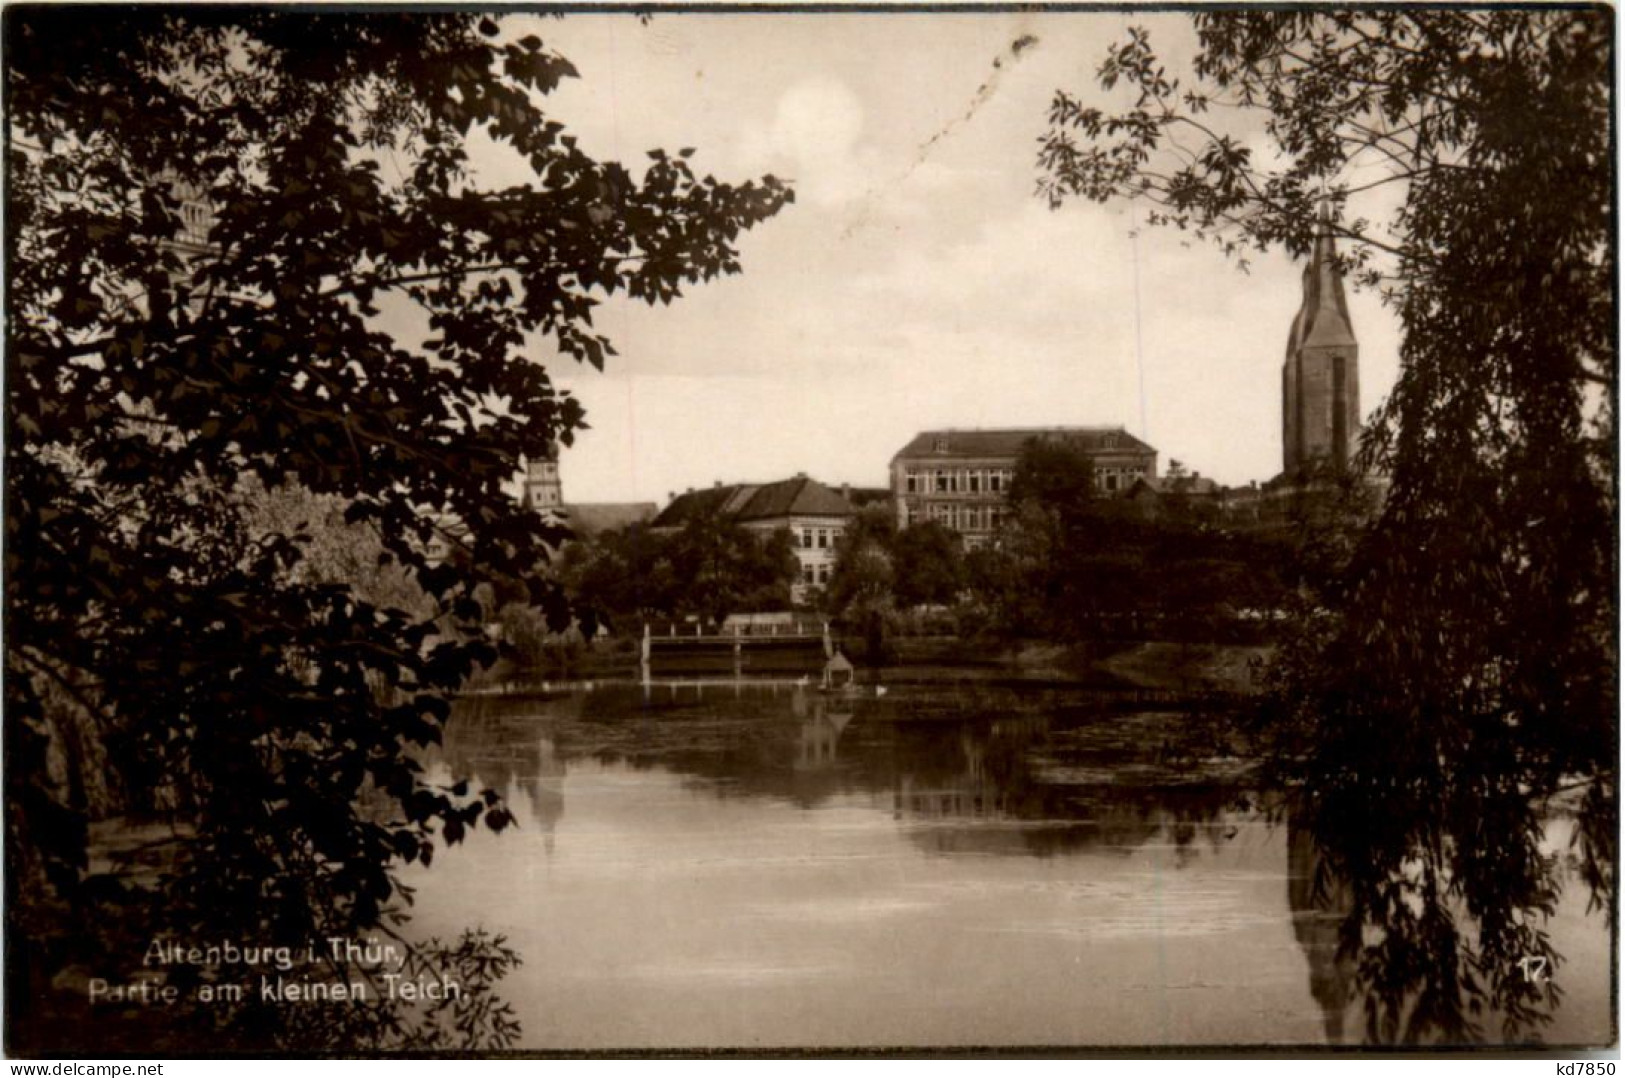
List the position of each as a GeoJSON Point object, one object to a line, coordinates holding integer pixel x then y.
{"type": "Point", "coordinates": [1321, 904]}
{"type": "Point", "coordinates": [995, 770]}
{"type": "Point", "coordinates": [501, 751]}
{"type": "Point", "coordinates": [822, 721]}
{"type": "Point", "coordinates": [766, 863]}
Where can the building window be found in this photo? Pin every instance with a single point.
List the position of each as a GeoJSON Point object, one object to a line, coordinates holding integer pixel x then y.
{"type": "Point", "coordinates": [974, 481]}
{"type": "Point", "coordinates": [940, 445]}
{"type": "Point", "coordinates": [911, 482]}
{"type": "Point", "coordinates": [807, 575]}
{"type": "Point", "coordinates": [1111, 481]}
{"type": "Point", "coordinates": [823, 574]}
{"type": "Point", "coordinates": [942, 482]}
{"type": "Point", "coordinates": [995, 482]}
{"type": "Point", "coordinates": [823, 538]}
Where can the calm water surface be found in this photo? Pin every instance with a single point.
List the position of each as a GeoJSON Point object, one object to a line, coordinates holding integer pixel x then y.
{"type": "Point", "coordinates": [763, 865]}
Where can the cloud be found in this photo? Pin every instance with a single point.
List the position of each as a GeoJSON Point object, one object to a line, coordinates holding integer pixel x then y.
{"type": "Point", "coordinates": [905, 290]}
{"type": "Point", "coordinates": [813, 136]}
{"type": "Point", "coordinates": [817, 117]}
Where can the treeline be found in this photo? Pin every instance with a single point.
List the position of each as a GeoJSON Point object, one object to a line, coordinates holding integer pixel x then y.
{"type": "Point", "coordinates": [1069, 564]}
{"type": "Point", "coordinates": [709, 568]}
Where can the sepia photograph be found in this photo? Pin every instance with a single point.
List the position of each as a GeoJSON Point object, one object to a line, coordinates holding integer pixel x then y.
{"type": "Point", "coordinates": [810, 531]}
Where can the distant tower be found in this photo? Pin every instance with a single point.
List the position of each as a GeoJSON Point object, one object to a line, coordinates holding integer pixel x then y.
{"type": "Point", "coordinates": [1320, 380]}
{"type": "Point", "coordinates": [542, 487]}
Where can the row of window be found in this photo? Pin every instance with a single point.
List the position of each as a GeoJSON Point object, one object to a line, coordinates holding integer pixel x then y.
{"type": "Point", "coordinates": [196, 221]}
{"type": "Point", "coordinates": [815, 574]}
{"type": "Point", "coordinates": [1115, 479]}
{"type": "Point", "coordinates": [997, 480]}
{"type": "Point", "coordinates": [819, 538]}
{"type": "Point", "coordinates": [957, 480]}
{"type": "Point", "coordinates": [961, 518]}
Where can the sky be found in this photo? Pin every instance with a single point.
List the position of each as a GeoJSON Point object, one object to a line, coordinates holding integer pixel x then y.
{"type": "Point", "coordinates": [917, 282]}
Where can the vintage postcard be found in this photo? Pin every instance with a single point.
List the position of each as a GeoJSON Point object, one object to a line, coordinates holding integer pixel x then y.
{"type": "Point", "coordinates": [797, 531]}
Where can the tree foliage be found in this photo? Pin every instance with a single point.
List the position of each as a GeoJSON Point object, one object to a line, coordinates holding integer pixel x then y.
{"type": "Point", "coordinates": [862, 575]}
{"type": "Point", "coordinates": [878, 564]}
{"type": "Point", "coordinates": [219, 222]}
{"type": "Point", "coordinates": [710, 567]}
{"type": "Point", "coordinates": [928, 564]}
{"type": "Point", "coordinates": [1073, 563]}
{"type": "Point", "coordinates": [1463, 664]}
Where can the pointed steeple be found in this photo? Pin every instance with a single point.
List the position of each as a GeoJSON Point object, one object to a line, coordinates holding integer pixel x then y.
{"type": "Point", "coordinates": [1320, 378]}
{"type": "Point", "coordinates": [1325, 309]}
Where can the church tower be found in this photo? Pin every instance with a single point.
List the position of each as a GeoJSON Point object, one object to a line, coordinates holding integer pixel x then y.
{"type": "Point", "coordinates": [1320, 380]}
{"type": "Point", "coordinates": [543, 491]}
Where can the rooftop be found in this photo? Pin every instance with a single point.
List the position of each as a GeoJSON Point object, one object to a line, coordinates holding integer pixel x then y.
{"type": "Point", "coordinates": [745, 502]}
{"type": "Point", "coordinates": [1008, 441]}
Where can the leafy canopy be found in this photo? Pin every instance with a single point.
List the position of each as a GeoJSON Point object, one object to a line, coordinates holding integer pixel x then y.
{"type": "Point", "coordinates": [1073, 562]}
{"type": "Point", "coordinates": [219, 221]}
{"type": "Point", "coordinates": [1463, 664]}
{"type": "Point", "coordinates": [710, 567]}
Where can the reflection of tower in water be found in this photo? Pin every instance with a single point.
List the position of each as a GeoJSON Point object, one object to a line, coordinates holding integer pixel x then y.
{"type": "Point", "coordinates": [544, 786]}
{"type": "Point", "coordinates": [526, 769]}
{"type": "Point", "coordinates": [1320, 903]}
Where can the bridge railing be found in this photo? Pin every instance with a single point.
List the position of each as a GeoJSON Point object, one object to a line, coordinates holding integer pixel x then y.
{"type": "Point", "coordinates": [750, 630]}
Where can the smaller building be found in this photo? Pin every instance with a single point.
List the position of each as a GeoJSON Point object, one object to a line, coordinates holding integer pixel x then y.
{"type": "Point", "coordinates": [1191, 494]}
{"type": "Point", "coordinates": [815, 516]}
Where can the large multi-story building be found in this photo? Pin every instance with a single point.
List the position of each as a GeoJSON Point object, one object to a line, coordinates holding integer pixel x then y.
{"type": "Point", "coordinates": [813, 514]}
{"type": "Point", "coordinates": [1320, 379]}
{"type": "Point", "coordinates": [960, 477]}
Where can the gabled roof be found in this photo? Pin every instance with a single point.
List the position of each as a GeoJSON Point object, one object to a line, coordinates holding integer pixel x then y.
{"type": "Point", "coordinates": [746, 502]}
{"type": "Point", "coordinates": [800, 497]}
{"type": "Point", "coordinates": [951, 444]}
{"type": "Point", "coordinates": [696, 503]}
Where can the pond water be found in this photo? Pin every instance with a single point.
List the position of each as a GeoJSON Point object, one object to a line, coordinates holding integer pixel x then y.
{"type": "Point", "coordinates": [765, 866]}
